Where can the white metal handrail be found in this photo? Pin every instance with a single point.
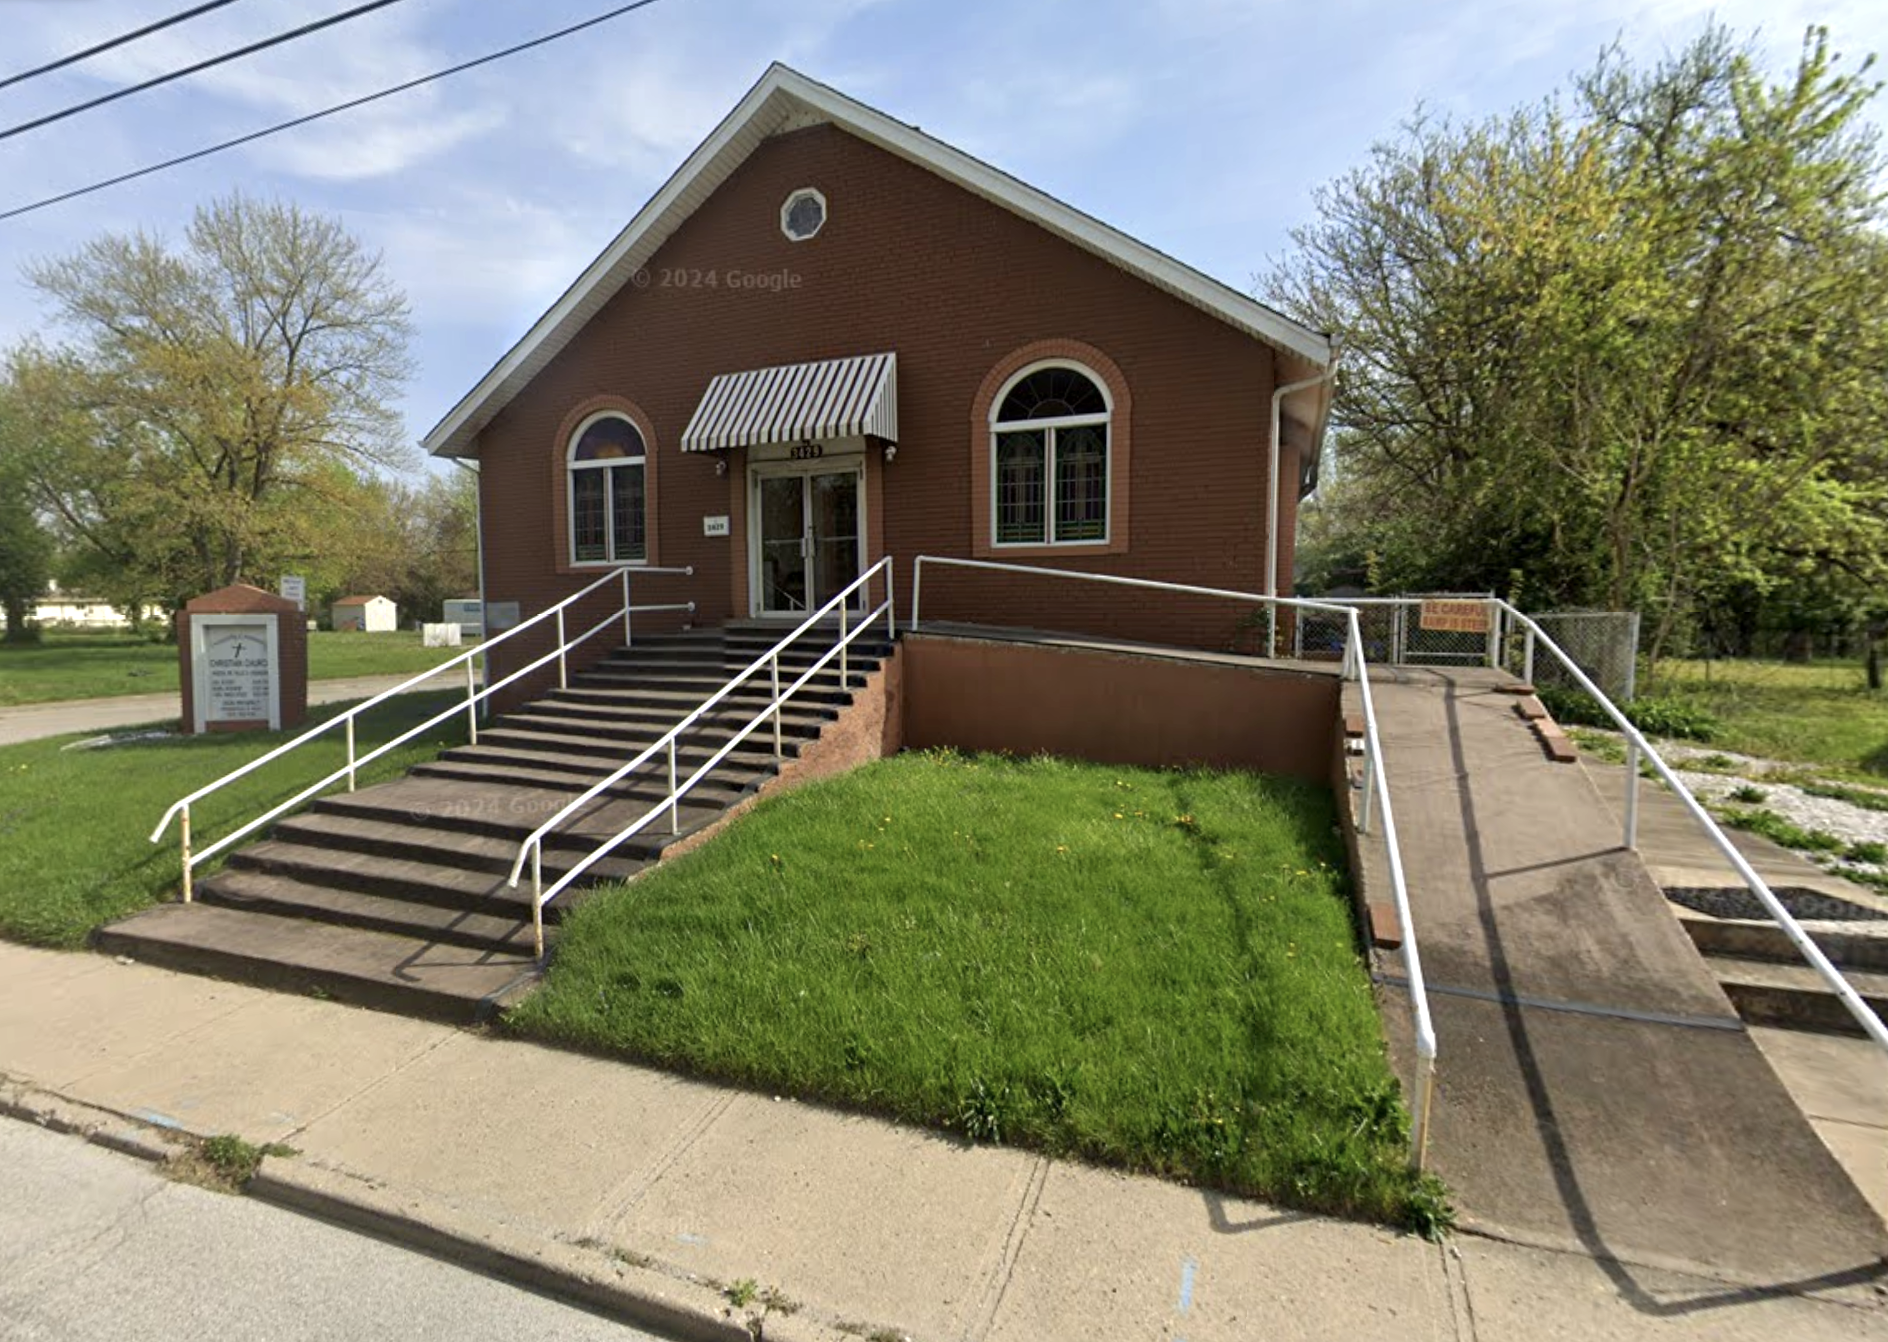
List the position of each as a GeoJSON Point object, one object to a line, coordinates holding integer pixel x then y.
{"type": "Point", "coordinates": [1637, 746]}
{"type": "Point", "coordinates": [1376, 787]}
{"type": "Point", "coordinates": [532, 847]}
{"type": "Point", "coordinates": [475, 695]}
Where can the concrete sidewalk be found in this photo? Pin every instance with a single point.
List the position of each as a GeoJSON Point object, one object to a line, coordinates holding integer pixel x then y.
{"type": "Point", "coordinates": [31, 722]}
{"type": "Point", "coordinates": [640, 1192]}
{"type": "Point", "coordinates": [1596, 1093]}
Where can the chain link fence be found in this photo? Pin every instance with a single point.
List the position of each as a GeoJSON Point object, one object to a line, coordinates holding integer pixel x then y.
{"type": "Point", "coordinates": [1465, 629]}
{"type": "Point", "coordinates": [1431, 629]}
{"type": "Point", "coordinates": [1602, 643]}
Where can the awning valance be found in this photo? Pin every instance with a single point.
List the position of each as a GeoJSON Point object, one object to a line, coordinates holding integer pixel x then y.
{"type": "Point", "coordinates": [833, 398]}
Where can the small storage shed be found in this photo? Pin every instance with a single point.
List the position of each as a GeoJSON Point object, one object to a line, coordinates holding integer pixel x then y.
{"type": "Point", "coordinates": [366, 614]}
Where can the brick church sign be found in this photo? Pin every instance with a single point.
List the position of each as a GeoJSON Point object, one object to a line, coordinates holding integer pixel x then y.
{"type": "Point", "coordinates": [244, 655]}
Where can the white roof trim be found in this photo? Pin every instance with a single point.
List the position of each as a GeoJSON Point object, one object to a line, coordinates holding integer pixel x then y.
{"type": "Point", "coordinates": [833, 398]}
{"type": "Point", "coordinates": [785, 96]}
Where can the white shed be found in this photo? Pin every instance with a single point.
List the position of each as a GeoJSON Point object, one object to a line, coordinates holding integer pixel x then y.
{"type": "Point", "coordinates": [366, 614]}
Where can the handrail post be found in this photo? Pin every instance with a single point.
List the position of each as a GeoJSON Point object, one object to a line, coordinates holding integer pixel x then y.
{"type": "Point", "coordinates": [844, 664]}
{"type": "Point", "coordinates": [779, 748]}
{"type": "Point", "coordinates": [626, 608]}
{"type": "Point", "coordinates": [350, 752]}
{"type": "Point", "coordinates": [891, 600]}
{"type": "Point", "coordinates": [1419, 1129]}
{"type": "Point", "coordinates": [563, 667]}
{"type": "Point", "coordinates": [1632, 796]}
{"type": "Point", "coordinates": [917, 586]}
{"type": "Point", "coordinates": [537, 898]}
{"type": "Point", "coordinates": [1527, 656]}
{"type": "Point", "coordinates": [471, 706]}
{"type": "Point", "coordinates": [675, 802]}
{"type": "Point", "coordinates": [184, 831]}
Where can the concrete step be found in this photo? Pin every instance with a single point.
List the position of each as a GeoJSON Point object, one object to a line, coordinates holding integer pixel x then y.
{"type": "Point", "coordinates": [728, 787]}
{"type": "Point", "coordinates": [371, 969]}
{"type": "Point", "coordinates": [627, 738]}
{"type": "Point", "coordinates": [419, 882]}
{"type": "Point", "coordinates": [677, 704]}
{"type": "Point", "coordinates": [532, 751]}
{"type": "Point", "coordinates": [1751, 940]}
{"type": "Point", "coordinates": [383, 837]}
{"type": "Point", "coordinates": [501, 810]}
{"type": "Point", "coordinates": [1766, 993]}
{"type": "Point", "coordinates": [823, 688]}
{"type": "Point", "coordinates": [507, 933]}
{"type": "Point", "coordinates": [652, 721]}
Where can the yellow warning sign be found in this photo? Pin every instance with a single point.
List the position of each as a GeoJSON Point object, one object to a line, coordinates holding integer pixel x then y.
{"type": "Point", "coordinates": [1456, 617]}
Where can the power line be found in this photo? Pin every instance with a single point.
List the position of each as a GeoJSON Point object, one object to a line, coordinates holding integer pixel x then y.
{"type": "Point", "coordinates": [325, 112]}
{"type": "Point", "coordinates": [118, 41]}
{"type": "Point", "coordinates": [202, 65]}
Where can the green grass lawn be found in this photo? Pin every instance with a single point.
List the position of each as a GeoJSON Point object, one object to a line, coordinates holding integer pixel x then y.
{"type": "Point", "coordinates": [75, 665]}
{"type": "Point", "coordinates": [1151, 969]}
{"type": "Point", "coordinates": [1818, 713]}
{"type": "Point", "coordinates": [75, 824]}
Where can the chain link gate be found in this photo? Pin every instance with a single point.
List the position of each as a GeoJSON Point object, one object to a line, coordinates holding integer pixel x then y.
{"type": "Point", "coordinates": [1430, 629]}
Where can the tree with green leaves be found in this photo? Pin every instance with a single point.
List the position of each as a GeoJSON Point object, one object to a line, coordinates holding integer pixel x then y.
{"type": "Point", "coordinates": [1623, 348]}
{"type": "Point", "coordinates": [218, 399]}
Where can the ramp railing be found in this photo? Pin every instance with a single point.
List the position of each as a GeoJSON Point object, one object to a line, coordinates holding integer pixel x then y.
{"type": "Point", "coordinates": [1376, 804]}
{"type": "Point", "coordinates": [664, 748]}
{"type": "Point", "coordinates": [475, 694]}
{"type": "Point", "coordinates": [1638, 749]}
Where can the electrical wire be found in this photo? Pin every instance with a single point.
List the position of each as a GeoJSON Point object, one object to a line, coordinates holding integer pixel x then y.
{"type": "Point", "coordinates": [118, 41]}
{"type": "Point", "coordinates": [291, 35]}
{"type": "Point", "coordinates": [347, 106]}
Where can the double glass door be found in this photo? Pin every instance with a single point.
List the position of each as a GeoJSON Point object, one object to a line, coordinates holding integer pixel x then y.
{"type": "Point", "coordinates": [810, 538]}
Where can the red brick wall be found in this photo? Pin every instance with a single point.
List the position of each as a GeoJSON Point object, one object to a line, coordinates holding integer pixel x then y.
{"type": "Point", "coordinates": [955, 285]}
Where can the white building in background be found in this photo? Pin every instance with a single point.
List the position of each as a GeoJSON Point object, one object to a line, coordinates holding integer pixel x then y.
{"type": "Point", "coordinates": [466, 612]}
{"type": "Point", "coordinates": [366, 614]}
{"type": "Point", "coordinates": [70, 610]}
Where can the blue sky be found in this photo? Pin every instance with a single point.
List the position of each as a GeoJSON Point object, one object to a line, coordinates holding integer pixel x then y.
{"type": "Point", "coordinates": [1200, 126]}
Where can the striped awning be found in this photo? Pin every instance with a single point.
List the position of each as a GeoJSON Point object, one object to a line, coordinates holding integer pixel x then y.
{"type": "Point", "coordinates": [834, 398]}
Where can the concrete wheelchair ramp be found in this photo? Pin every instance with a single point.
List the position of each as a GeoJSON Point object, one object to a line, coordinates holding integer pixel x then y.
{"type": "Point", "coordinates": [1596, 1090]}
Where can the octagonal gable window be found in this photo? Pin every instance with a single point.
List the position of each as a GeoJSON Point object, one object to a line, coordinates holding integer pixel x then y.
{"type": "Point", "coordinates": [803, 214]}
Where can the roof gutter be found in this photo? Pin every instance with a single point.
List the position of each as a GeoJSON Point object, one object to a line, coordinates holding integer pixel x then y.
{"type": "Point", "coordinates": [1271, 501]}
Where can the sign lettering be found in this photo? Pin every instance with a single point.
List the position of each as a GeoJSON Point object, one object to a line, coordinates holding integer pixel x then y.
{"type": "Point", "coordinates": [1455, 617]}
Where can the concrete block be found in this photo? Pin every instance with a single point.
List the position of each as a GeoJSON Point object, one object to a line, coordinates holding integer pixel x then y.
{"type": "Point", "coordinates": [1386, 929]}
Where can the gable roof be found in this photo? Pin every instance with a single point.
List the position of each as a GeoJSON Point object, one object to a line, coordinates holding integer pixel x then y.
{"type": "Point", "coordinates": [785, 99]}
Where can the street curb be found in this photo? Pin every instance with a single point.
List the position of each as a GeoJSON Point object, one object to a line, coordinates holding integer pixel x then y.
{"type": "Point", "coordinates": [100, 1127]}
{"type": "Point", "coordinates": [593, 1277]}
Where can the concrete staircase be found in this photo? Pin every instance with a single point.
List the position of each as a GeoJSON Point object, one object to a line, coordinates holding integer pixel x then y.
{"type": "Point", "coordinates": [1769, 983]}
{"type": "Point", "coordinates": [395, 896]}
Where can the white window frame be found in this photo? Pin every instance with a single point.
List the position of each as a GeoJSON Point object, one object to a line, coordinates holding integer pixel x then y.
{"type": "Point", "coordinates": [794, 198]}
{"type": "Point", "coordinates": [999, 427]}
{"type": "Point", "coordinates": [572, 466]}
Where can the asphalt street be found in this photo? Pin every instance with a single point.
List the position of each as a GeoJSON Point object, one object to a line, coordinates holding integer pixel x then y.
{"type": "Point", "coordinates": [95, 1246]}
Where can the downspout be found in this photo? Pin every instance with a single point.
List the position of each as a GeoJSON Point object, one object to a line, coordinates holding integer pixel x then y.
{"type": "Point", "coordinates": [1271, 503]}
{"type": "Point", "coordinates": [478, 527]}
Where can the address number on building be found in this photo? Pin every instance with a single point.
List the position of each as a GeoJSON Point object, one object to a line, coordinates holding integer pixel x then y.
{"type": "Point", "coordinates": [806, 452]}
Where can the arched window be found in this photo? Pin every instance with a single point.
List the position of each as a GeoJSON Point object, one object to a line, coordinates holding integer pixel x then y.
{"type": "Point", "coordinates": [1049, 457]}
{"type": "Point", "coordinates": [608, 491]}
